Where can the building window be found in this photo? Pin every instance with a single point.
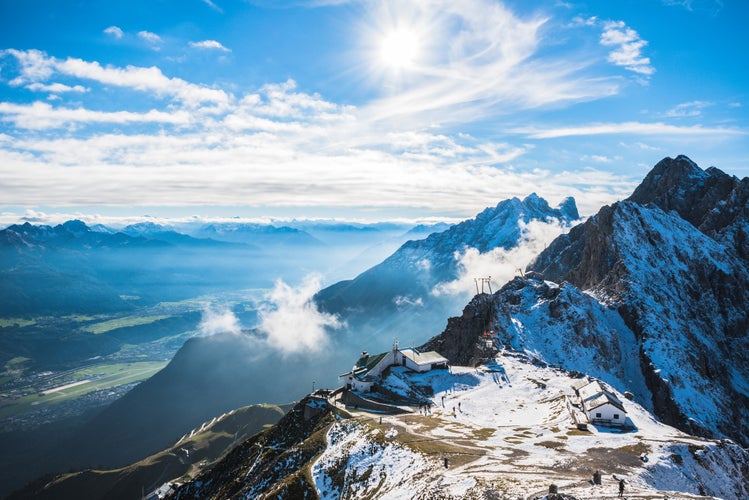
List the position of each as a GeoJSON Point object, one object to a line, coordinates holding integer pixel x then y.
{"type": "Point", "coordinates": [598, 415]}
{"type": "Point", "coordinates": [616, 416]}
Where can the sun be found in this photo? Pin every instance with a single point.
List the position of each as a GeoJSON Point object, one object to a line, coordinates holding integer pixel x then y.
{"type": "Point", "coordinates": [399, 49]}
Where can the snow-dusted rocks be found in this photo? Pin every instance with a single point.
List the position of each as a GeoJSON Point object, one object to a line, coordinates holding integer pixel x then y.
{"type": "Point", "coordinates": [501, 430]}
{"type": "Point", "coordinates": [683, 294]}
{"type": "Point", "coordinates": [649, 295]}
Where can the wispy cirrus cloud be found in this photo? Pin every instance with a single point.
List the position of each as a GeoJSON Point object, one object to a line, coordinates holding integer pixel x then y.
{"type": "Point", "coordinates": [633, 128]}
{"type": "Point", "coordinates": [712, 6]}
{"type": "Point", "coordinates": [483, 60]}
{"type": "Point", "coordinates": [688, 109]}
{"type": "Point", "coordinates": [213, 6]}
{"type": "Point", "coordinates": [209, 45]}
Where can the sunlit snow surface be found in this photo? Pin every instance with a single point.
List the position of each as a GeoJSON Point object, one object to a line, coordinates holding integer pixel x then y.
{"type": "Point", "coordinates": [506, 427]}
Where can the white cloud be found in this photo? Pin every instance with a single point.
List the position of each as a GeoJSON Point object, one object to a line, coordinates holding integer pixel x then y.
{"type": "Point", "coordinates": [114, 31]}
{"type": "Point", "coordinates": [288, 168]}
{"type": "Point", "coordinates": [218, 320]}
{"type": "Point", "coordinates": [502, 265]}
{"type": "Point", "coordinates": [36, 67]}
{"type": "Point", "coordinates": [483, 60]}
{"type": "Point", "coordinates": [291, 320]}
{"type": "Point", "coordinates": [408, 301]}
{"type": "Point", "coordinates": [213, 5]}
{"type": "Point", "coordinates": [209, 45]}
{"type": "Point", "coordinates": [279, 146]}
{"type": "Point", "coordinates": [149, 37]}
{"type": "Point", "coordinates": [627, 48]}
{"type": "Point", "coordinates": [56, 87]}
{"type": "Point", "coordinates": [305, 150]}
{"type": "Point", "coordinates": [687, 109]}
{"type": "Point", "coordinates": [40, 115]}
{"type": "Point", "coordinates": [584, 21]}
{"type": "Point", "coordinates": [596, 158]}
{"type": "Point", "coordinates": [713, 6]}
{"type": "Point", "coordinates": [635, 128]}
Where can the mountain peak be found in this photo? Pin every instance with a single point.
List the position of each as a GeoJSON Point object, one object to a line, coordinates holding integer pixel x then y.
{"type": "Point", "coordinates": [711, 200]}
{"type": "Point", "coordinates": [668, 176]}
{"type": "Point", "coordinates": [76, 227]}
{"type": "Point", "coordinates": [568, 208]}
{"type": "Point", "coordinates": [534, 198]}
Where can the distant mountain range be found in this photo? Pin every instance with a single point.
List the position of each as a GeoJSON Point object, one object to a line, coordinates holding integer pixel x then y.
{"type": "Point", "coordinates": [650, 295]}
{"type": "Point", "coordinates": [372, 303]}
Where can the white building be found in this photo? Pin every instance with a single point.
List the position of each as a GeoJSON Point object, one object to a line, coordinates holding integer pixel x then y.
{"type": "Point", "coordinates": [421, 361]}
{"type": "Point", "coordinates": [601, 405]}
{"type": "Point", "coordinates": [368, 368]}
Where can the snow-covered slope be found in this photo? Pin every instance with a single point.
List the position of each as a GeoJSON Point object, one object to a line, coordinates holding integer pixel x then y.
{"type": "Point", "coordinates": [684, 296]}
{"type": "Point", "coordinates": [506, 431]}
{"type": "Point", "coordinates": [556, 323]}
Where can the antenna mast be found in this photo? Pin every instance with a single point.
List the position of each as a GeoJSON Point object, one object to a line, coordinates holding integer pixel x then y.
{"type": "Point", "coordinates": [485, 283]}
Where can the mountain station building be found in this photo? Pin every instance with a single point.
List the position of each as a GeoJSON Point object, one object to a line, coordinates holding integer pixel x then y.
{"type": "Point", "coordinates": [368, 368]}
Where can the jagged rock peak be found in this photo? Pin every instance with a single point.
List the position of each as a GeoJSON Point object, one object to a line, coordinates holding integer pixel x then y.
{"type": "Point", "coordinates": [679, 184]}
{"type": "Point", "coordinates": [711, 200]}
{"type": "Point", "coordinates": [568, 207]}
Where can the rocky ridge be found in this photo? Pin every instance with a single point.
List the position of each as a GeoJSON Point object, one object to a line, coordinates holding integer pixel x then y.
{"type": "Point", "coordinates": [642, 298]}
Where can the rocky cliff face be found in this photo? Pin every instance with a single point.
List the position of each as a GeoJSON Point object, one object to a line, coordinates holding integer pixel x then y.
{"type": "Point", "coordinates": [651, 301]}
{"type": "Point", "coordinates": [714, 202]}
{"type": "Point", "coordinates": [679, 283]}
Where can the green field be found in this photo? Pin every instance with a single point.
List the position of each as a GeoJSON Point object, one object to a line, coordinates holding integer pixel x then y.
{"type": "Point", "coordinates": [17, 322]}
{"type": "Point", "coordinates": [114, 324]}
{"type": "Point", "coordinates": [82, 382]}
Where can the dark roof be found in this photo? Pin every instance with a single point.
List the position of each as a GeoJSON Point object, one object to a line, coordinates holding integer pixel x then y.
{"type": "Point", "coordinates": [366, 363]}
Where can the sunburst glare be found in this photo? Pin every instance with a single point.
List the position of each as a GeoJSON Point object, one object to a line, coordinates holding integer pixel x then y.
{"type": "Point", "coordinates": [400, 49]}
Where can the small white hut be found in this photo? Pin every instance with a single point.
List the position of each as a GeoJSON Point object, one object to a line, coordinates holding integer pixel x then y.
{"type": "Point", "coordinates": [600, 404]}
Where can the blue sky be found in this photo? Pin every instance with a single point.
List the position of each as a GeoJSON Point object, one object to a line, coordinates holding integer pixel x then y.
{"type": "Point", "coordinates": [355, 109]}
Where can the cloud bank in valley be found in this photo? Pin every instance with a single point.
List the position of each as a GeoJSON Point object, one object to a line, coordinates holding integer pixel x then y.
{"type": "Point", "coordinates": [502, 265]}
{"type": "Point", "coordinates": [217, 319]}
{"type": "Point", "coordinates": [291, 321]}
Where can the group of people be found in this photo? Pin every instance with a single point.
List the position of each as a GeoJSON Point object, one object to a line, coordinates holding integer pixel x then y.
{"type": "Point", "coordinates": [425, 408]}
